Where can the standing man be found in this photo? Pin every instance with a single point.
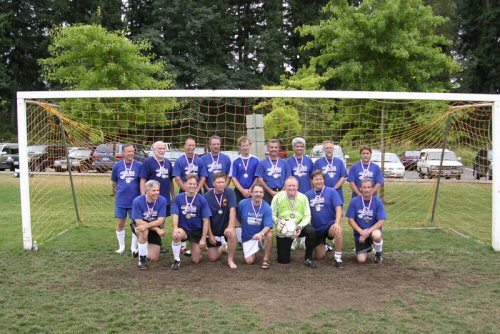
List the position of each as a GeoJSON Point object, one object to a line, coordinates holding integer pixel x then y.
{"type": "Point", "coordinates": [326, 216]}
{"type": "Point", "coordinates": [366, 216]}
{"type": "Point", "coordinates": [215, 162]}
{"type": "Point", "coordinates": [334, 169]}
{"type": "Point", "coordinates": [256, 218]}
{"type": "Point", "coordinates": [125, 177]}
{"type": "Point", "coordinates": [272, 171]}
{"type": "Point", "coordinates": [149, 212]}
{"type": "Point", "coordinates": [365, 170]}
{"type": "Point", "coordinates": [191, 220]}
{"type": "Point", "coordinates": [242, 174]}
{"type": "Point", "coordinates": [291, 205]}
{"type": "Point", "coordinates": [222, 202]}
{"type": "Point", "coordinates": [243, 170]}
{"type": "Point", "coordinates": [160, 169]}
{"type": "Point", "coordinates": [188, 164]}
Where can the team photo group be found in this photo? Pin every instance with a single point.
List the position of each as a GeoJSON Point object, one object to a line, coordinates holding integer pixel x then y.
{"type": "Point", "coordinates": [247, 203]}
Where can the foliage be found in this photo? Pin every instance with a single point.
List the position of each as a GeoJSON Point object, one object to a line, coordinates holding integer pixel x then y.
{"type": "Point", "coordinates": [87, 57]}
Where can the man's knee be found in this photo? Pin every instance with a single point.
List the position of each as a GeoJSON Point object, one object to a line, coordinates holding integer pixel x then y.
{"type": "Point", "coordinates": [376, 236]}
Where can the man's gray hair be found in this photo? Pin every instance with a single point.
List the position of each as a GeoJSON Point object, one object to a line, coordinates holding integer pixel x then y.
{"type": "Point", "coordinates": [158, 144]}
{"type": "Point", "coordinates": [298, 140]}
{"type": "Point", "coordinates": [150, 184]}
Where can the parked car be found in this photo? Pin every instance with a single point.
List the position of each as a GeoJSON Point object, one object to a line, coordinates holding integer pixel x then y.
{"type": "Point", "coordinates": [41, 157]}
{"type": "Point", "coordinates": [483, 164]}
{"type": "Point", "coordinates": [81, 160]}
{"type": "Point", "coordinates": [9, 156]}
{"type": "Point", "coordinates": [410, 159]}
{"type": "Point", "coordinates": [428, 164]}
{"type": "Point", "coordinates": [103, 156]}
{"type": "Point", "coordinates": [318, 152]}
{"type": "Point", "coordinates": [392, 165]}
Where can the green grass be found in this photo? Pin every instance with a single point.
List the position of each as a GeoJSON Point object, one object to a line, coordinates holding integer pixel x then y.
{"type": "Point", "coordinates": [443, 283]}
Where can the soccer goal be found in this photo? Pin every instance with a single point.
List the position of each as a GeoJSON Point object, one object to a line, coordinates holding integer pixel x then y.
{"type": "Point", "coordinates": [65, 178]}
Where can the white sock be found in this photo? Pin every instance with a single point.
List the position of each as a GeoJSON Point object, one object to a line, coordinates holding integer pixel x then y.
{"type": "Point", "coordinates": [294, 244]}
{"type": "Point", "coordinates": [133, 243]}
{"type": "Point", "coordinates": [238, 234]}
{"type": "Point", "coordinates": [378, 246]}
{"type": "Point", "coordinates": [338, 256]}
{"type": "Point", "coordinates": [176, 250]}
{"type": "Point", "coordinates": [120, 235]}
{"type": "Point", "coordinates": [143, 249]}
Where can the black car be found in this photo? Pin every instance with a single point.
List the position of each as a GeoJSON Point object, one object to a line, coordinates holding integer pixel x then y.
{"type": "Point", "coordinates": [41, 157]}
{"type": "Point", "coordinates": [104, 160]}
{"type": "Point", "coordinates": [410, 159]}
{"type": "Point", "coordinates": [483, 164]}
{"type": "Point", "coordinates": [9, 156]}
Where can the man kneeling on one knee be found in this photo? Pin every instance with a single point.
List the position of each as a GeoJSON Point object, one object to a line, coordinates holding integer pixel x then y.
{"type": "Point", "coordinates": [149, 212]}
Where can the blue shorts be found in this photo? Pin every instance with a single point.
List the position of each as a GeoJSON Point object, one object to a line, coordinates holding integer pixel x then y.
{"type": "Point", "coordinates": [123, 212]}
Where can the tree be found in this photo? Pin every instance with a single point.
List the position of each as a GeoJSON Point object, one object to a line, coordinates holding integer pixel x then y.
{"type": "Point", "coordinates": [87, 57]}
{"type": "Point", "coordinates": [479, 46]}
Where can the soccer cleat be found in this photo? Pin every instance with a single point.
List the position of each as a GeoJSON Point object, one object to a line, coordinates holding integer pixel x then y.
{"type": "Point", "coordinates": [185, 251]}
{"type": "Point", "coordinates": [339, 264]}
{"type": "Point", "coordinates": [135, 254]}
{"type": "Point", "coordinates": [378, 258]}
{"type": "Point", "coordinates": [163, 250]}
{"type": "Point", "coordinates": [310, 263]}
{"type": "Point", "coordinates": [143, 263]}
{"type": "Point", "coordinates": [120, 251]}
{"type": "Point", "coordinates": [328, 248]}
{"type": "Point", "coordinates": [176, 265]}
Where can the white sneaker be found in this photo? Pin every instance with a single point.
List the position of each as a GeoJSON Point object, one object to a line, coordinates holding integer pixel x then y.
{"type": "Point", "coordinates": [120, 251]}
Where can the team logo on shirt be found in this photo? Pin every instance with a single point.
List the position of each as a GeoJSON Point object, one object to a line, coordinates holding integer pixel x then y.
{"type": "Point", "coordinates": [191, 169]}
{"type": "Point", "coordinates": [191, 210]}
{"type": "Point", "coordinates": [162, 173]}
{"type": "Point", "coordinates": [127, 175]}
{"type": "Point", "coordinates": [252, 220]}
{"type": "Point", "coordinates": [366, 174]}
{"type": "Point", "coordinates": [329, 170]}
{"type": "Point", "coordinates": [317, 201]}
{"type": "Point", "coordinates": [300, 170]}
{"type": "Point", "coordinates": [215, 167]}
{"type": "Point", "coordinates": [149, 216]}
{"type": "Point", "coordinates": [366, 214]}
{"type": "Point", "coordinates": [274, 172]}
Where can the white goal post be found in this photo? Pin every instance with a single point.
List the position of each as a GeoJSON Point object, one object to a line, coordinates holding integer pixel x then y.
{"type": "Point", "coordinates": [23, 97]}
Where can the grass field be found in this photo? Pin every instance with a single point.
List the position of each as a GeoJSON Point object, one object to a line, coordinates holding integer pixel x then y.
{"type": "Point", "coordinates": [433, 281]}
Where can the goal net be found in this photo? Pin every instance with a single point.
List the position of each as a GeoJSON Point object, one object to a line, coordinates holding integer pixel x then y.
{"type": "Point", "coordinates": [65, 182]}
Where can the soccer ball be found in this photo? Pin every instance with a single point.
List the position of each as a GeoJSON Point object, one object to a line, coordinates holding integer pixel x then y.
{"type": "Point", "coordinates": [288, 229]}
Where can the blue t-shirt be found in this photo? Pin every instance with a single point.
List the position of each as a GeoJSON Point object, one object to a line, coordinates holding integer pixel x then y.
{"type": "Point", "coordinates": [149, 211]}
{"type": "Point", "coordinates": [219, 222]}
{"type": "Point", "coordinates": [250, 224]}
{"type": "Point", "coordinates": [366, 215]}
{"type": "Point", "coordinates": [238, 170]}
{"type": "Point", "coordinates": [128, 179]}
{"type": "Point", "coordinates": [302, 170]}
{"type": "Point", "coordinates": [333, 172]}
{"type": "Point", "coordinates": [373, 173]}
{"type": "Point", "coordinates": [185, 166]}
{"type": "Point", "coordinates": [275, 173]}
{"type": "Point", "coordinates": [160, 171]}
{"type": "Point", "coordinates": [198, 210]}
{"type": "Point", "coordinates": [326, 203]}
{"type": "Point", "coordinates": [214, 165]}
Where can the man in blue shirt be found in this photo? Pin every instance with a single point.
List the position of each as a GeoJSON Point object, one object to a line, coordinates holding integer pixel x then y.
{"type": "Point", "coordinates": [256, 219]}
{"type": "Point", "coordinates": [215, 162]}
{"type": "Point", "coordinates": [326, 216]}
{"type": "Point", "coordinates": [160, 169]}
{"type": "Point", "coordinates": [365, 170]}
{"type": "Point", "coordinates": [149, 212]}
{"type": "Point", "coordinates": [187, 164]}
{"type": "Point", "coordinates": [191, 220]}
{"type": "Point", "coordinates": [367, 216]}
{"type": "Point", "coordinates": [333, 168]}
{"type": "Point", "coordinates": [222, 202]}
{"type": "Point", "coordinates": [272, 171]}
{"type": "Point", "coordinates": [125, 176]}
{"type": "Point", "coordinates": [301, 165]}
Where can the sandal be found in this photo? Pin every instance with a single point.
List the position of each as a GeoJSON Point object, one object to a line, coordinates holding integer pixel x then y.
{"type": "Point", "coordinates": [266, 265]}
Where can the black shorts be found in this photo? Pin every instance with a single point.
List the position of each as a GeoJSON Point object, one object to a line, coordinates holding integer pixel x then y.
{"type": "Point", "coordinates": [365, 247]}
{"type": "Point", "coordinates": [153, 236]}
{"type": "Point", "coordinates": [217, 243]}
{"type": "Point", "coordinates": [193, 237]}
{"type": "Point", "coordinates": [322, 236]}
